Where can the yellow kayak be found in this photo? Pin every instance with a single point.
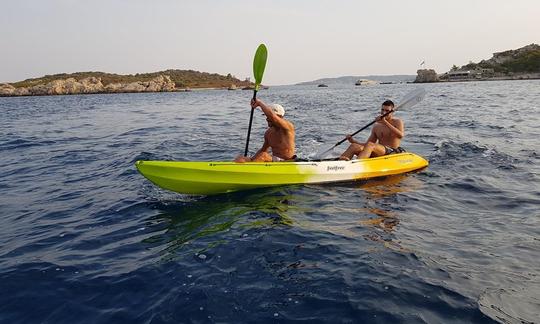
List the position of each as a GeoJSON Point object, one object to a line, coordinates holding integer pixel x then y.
{"type": "Point", "coordinates": [209, 178]}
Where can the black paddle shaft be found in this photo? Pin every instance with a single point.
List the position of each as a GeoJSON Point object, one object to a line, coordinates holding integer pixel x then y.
{"type": "Point", "coordinates": [250, 122]}
{"type": "Point", "coordinates": [361, 129]}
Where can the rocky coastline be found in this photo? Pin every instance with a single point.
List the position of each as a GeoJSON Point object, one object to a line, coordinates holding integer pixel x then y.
{"type": "Point", "coordinates": [90, 85]}
{"type": "Point", "coordinates": [429, 76]}
{"type": "Point", "coordinates": [519, 64]}
{"type": "Point", "coordinates": [99, 82]}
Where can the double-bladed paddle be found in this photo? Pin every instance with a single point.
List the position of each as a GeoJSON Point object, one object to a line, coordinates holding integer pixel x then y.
{"type": "Point", "coordinates": [411, 99]}
{"type": "Point", "coordinates": [259, 63]}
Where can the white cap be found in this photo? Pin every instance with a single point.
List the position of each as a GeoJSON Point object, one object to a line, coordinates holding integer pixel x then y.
{"type": "Point", "coordinates": [277, 109]}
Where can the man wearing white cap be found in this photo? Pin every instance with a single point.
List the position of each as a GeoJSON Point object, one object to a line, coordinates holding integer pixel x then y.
{"type": "Point", "coordinates": [279, 136]}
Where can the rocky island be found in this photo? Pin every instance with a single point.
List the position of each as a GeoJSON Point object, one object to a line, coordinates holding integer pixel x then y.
{"type": "Point", "coordinates": [100, 82]}
{"type": "Point", "coordinates": [520, 64]}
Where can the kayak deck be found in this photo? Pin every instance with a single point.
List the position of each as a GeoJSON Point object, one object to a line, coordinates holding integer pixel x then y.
{"type": "Point", "coordinates": [207, 178]}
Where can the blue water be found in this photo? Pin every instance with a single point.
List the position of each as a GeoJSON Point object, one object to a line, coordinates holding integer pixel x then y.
{"type": "Point", "coordinates": [85, 238]}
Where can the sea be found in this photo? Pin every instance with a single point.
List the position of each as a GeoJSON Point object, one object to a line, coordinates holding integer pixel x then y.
{"type": "Point", "coordinates": [84, 238]}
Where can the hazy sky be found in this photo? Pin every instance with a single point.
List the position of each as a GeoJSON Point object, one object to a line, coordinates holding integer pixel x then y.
{"type": "Point", "coordinates": [306, 39]}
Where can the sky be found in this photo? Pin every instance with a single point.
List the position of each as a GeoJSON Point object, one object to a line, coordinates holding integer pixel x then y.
{"type": "Point", "coordinates": [306, 39]}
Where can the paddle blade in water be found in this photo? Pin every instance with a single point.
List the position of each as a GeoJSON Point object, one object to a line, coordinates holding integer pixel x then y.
{"type": "Point", "coordinates": [259, 63]}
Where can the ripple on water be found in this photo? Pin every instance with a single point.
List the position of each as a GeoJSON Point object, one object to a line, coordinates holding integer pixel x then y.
{"type": "Point", "coordinates": [456, 242]}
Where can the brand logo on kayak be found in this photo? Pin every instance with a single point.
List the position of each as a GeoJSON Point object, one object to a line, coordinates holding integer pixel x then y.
{"type": "Point", "coordinates": [405, 161]}
{"type": "Point", "coordinates": [335, 168]}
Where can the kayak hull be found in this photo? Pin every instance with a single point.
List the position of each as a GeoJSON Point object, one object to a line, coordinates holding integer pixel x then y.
{"type": "Point", "coordinates": [209, 178]}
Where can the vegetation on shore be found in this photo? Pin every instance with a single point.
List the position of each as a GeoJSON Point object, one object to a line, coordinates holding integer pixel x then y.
{"type": "Point", "coordinates": [519, 64]}
{"type": "Point", "coordinates": [522, 60]}
{"type": "Point", "coordinates": [181, 78]}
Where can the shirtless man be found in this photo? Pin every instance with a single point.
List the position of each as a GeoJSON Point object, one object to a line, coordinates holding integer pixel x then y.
{"type": "Point", "coordinates": [385, 137]}
{"type": "Point", "coordinates": [279, 136]}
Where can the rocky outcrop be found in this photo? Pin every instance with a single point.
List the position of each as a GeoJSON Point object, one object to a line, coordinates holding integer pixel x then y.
{"type": "Point", "coordinates": [426, 75]}
{"type": "Point", "coordinates": [88, 85]}
{"type": "Point", "coordinates": [506, 56]}
{"type": "Point", "coordinates": [162, 83]}
{"type": "Point", "coordinates": [91, 85]}
{"type": "Point", "coordinates": [7, 89]}
{"type": "Point", "coordinates": [521, 63]}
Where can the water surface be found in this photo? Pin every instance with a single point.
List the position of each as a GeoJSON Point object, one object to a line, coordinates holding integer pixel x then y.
{"type": "Point", "coordinates": [84, 237]}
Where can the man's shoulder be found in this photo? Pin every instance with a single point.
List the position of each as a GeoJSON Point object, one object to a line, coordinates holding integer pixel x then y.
{"type": "Point", "coordinates": [290, 125]}
{"type": "Point", "coordinates": [397, 121]}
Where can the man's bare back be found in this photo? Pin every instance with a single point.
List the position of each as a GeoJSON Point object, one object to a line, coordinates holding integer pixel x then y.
{"type": "Point", "coordinates": [279, 137]}
{"type": "Point", "coordinates": [281, 142]}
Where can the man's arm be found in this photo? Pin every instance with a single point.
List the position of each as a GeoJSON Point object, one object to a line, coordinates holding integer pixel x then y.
{"type": "Point", "coordinates": [275, 119]}
{"type": "Point", "coordinates": [353, 141]}
{"type": "Point", "coordinates": [372, 138]}
{"type": "Point", "coordinates": [399, 130]}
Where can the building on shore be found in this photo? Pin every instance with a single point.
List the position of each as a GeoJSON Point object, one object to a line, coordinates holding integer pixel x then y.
{"type": "Point", "coordinates": [462, 75]}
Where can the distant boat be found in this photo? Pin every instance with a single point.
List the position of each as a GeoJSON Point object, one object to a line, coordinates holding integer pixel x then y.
{"type": "Point", "coordinates": [322, 85]}
{"type": "Point", "coordinates": [362, 82]}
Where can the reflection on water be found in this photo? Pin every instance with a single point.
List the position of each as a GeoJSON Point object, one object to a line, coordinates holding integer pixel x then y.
{"type": "Point", "coordinates": [209, 217]}
{"type": "Point", "coordinates": [386, 218]}
{"type": "Point", "coordinates": [206, 219]}
{"type": "Point", "coordinates": [78, 216]}
{"type": "Point", "coordinates": [391, 185]}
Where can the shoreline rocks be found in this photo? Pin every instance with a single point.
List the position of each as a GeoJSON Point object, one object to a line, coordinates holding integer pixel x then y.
{"type": "Point", "coordinates": [70, 86]}
{"type": "Point", "coordinates": [426, 75]}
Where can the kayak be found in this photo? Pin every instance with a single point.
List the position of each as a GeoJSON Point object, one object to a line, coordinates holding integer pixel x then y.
{"type": "Point", "coordinates": [209, 178]}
